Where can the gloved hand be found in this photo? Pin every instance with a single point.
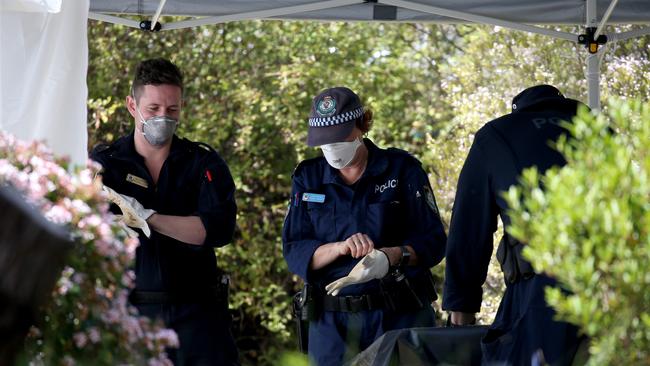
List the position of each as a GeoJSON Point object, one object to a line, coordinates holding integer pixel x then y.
{"type": "Point", "coordinates": [133, 213]}
{"type": "Point", "coordinates": [373, 266]}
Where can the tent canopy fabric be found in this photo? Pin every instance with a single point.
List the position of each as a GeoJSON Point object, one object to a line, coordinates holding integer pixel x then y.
{"type": "Point", "coordinates": [28, 59]}
{"type": "Point", "coordinates": [522, 11]}
{"type": "Point", "coordinates": [43, 64]}
{"type": "Point", "coordinates": [532, 16]}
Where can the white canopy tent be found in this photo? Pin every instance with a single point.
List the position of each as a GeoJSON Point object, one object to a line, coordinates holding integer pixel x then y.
{"type": "Point", "coordinates": [43, 63]}
{"type": "Point", "coordinates": [535, 16]}
{"type": "Point", "coordinates": [524, 15]}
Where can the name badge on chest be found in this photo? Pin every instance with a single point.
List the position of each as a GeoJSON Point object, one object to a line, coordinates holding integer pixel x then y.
{"type": "Point", "coordinates": [313, 197]}
{"type": "Point", "coordinates": [137, 181]}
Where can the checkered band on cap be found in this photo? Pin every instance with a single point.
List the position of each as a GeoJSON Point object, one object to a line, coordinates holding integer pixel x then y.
{"type": "Point", "coordinates": [336, 120]}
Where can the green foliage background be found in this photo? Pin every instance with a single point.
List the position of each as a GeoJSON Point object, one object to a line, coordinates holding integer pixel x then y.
{"type": "Point", "coordinates": [248, 91]}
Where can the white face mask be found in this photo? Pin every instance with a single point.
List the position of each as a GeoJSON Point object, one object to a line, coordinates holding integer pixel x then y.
{"type": "Point", "coordinates": [340, 154]}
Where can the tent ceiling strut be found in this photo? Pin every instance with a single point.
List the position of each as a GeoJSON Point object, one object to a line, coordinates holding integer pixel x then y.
{"type": "Point", "coordinates": [261, 14]}
{"type": "Point", "coordinates": [480, 19]}
{"type": "Point", "coordinates": [606, 16]}
{"type": "Point", "coordinates": [155, 17]}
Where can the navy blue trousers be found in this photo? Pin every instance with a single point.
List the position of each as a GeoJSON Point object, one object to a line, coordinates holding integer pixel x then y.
{"type": "Point", "coordinates": [203, 332]}
{"type": "Point", "coordinates": [337, 336]}
{"type": "Point", "coordinates": [524, 331]}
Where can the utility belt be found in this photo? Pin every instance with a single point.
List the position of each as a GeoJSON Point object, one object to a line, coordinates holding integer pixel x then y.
{"type": "Point", "coordinates": [397, 293]}
{"type": "Point", "coordinates": [214, 294]}
{"type": "Point", "coordinates": [513, 264]}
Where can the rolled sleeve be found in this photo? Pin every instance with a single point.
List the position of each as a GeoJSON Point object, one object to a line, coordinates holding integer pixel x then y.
{"type": "Point", "coordinates": [216, 202]}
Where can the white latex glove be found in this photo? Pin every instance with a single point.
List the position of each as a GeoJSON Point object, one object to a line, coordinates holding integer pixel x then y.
{"type": "Point", "coordinates": [133, 213]}
{"type": "Point", "coordinates": [373, 266]}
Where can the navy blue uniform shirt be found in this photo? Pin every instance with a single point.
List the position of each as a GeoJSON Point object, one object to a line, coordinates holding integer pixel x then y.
{"type": "Point", "coordinates": [524, 326]}
{"type": "Point", "coordinates": [193, 181]}
{"type": "Point", "coordinates": [501, 149]}
{"type": "Point", "coordinates": [392, 203]}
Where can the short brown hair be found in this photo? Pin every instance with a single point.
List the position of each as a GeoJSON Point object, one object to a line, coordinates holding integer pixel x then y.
{"type": "Point", "coordinates": [155, 71]}
{"type": "Point", "coordinates": [365, 122]}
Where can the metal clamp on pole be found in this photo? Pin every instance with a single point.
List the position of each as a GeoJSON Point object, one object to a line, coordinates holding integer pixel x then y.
{"type": "Point", "coordinates": [591, 43]}
{"type": "Point", "coordinates": [145, 25]}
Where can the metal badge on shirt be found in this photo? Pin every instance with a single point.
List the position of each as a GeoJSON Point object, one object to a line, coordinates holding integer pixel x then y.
{"type": "Point", "coordinates": [313, 197]}
{"type": "Point", "coordinates": [137, 181]}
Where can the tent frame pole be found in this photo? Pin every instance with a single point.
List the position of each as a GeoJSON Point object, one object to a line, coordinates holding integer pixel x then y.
{"type": "Point", "coordinates": [156, 16]}
{"type": "Point", "coordinates": [593, 60]}
{"type": "Point", "coordinates": [480, 19]}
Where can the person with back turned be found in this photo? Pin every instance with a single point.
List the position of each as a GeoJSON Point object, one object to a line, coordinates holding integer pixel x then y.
{"type": "Point", "coordinates": [524, 330]}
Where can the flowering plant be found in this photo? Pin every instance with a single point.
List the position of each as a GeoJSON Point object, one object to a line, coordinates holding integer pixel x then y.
{"type": "Point", "coordinates": [88, 320]}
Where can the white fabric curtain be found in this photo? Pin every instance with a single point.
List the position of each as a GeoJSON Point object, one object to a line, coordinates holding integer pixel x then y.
{"type": "Point", "coordinates": [43, 65]}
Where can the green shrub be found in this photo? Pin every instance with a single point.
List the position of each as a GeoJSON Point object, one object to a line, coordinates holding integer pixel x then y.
{"type": "Point", "coordinates": [589, 227]}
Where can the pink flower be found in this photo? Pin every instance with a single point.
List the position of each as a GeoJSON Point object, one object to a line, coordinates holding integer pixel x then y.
{"type": "Point", "coordinates": [100, 263]}
{"type": "Point", "coordinates": [112, 316]}
{"type": "Point", "coordinates": [130, 245]}
{"type": "Point", "coordinates": [159, 362]}
{"type": "Point", "coordinates": [105, 248]}
{"type": "Point", "coordinates": [80, 339]}
{"type": "Point", "coordinates": [85, 177]}
{"type": "Point", "coordinates": [132, 327]}
{"type": "Point", "coordinates": [58, 215]}
{"type": "Point", "coordinates": [128, 278]}
{"type": "Point", "coordinates": [167, 337]}
{"type": "Point", "coordinates": [94, 335]}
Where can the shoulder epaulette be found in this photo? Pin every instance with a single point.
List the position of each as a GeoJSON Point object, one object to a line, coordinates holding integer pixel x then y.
{"type": "Point", "coordinates": [205, 146]}
{"type": "Point", "coordinates": [197, 145]}
{"type": "Point", "coordinates": [403, 154]}
{"type": "Point", "coordinates": [101, 147]}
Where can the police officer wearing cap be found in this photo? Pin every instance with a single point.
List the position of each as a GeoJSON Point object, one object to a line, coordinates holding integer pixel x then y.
{"type": "Point", "coordinates": [524, 330]}
{"type": "Point", "coordinates": [179, 196]}
{"type": "Point", "coordinates": [362, 231]}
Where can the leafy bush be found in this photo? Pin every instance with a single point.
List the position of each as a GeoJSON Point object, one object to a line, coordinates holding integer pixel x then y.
{"type": "Point", "coordinates": [88, 320]}
{"type": "Point", "coordinates": [589, 228]}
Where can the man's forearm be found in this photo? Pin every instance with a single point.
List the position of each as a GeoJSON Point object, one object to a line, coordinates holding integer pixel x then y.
{"type": "Point", "coordinates": [460, 318]}
{"type": "Point", "coordinates": [324, 255]}
{"type": "Point", "coordinates": [188, 229]}
{"type": "Point", "coordinates": [395, 255]}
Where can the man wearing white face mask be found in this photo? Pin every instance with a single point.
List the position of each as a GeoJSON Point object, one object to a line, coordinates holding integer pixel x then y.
{"type": "Point", "coordinates": [179, 196]}
{"type": "Point", "coordinates": [362, 231]}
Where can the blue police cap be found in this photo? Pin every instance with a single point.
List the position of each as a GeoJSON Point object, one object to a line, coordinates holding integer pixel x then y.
{"type": "Point", "coordinates": [333, 115]}
{"type": "Point", "coordinates": [535, 95]}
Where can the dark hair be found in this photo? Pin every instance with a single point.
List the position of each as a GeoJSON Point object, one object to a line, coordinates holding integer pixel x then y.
{"type": "Point", "coordinates": [155, 71]}
{"type": "Point", "coordinates": [364, 123]}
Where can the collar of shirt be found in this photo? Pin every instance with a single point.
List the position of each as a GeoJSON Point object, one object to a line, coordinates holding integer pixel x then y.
{"type": "Point", "coordinates": [377, 164]}
{"type": "Point", "coordinates": [125, 148]}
